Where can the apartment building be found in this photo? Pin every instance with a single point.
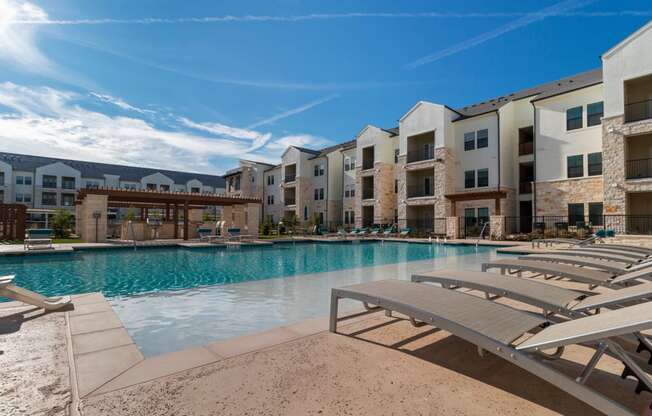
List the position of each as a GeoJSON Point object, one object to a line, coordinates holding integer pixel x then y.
{"type": "Point", "coordinates": [50, 183]}
{"type": "Point", "coordinates": [534, 152]}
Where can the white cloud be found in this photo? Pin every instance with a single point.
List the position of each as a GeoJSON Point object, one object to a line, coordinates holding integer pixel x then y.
{"type": "Point", "coordinates": [26, 20]}
{"type": "Point", "coordinates": [18, 42]}
{"type": "Point", "coordinates": [554, 10]}
{"type": "Point", "coordinates": [51, 122]}
{"type": "Point", "coordinates": [120, 103]}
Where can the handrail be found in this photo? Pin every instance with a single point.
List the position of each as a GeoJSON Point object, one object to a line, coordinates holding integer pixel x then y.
{"type": "Point", "coordinates": [481, 233]}
{"type": "Point", "coordinates": [133, 234]}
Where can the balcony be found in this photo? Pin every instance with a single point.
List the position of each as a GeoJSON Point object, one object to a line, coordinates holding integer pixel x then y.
{"type": "Point", "coordinates": [290, 177]}
{"type": "Point", "coordinates": [420, 191]}
{"type": "Point", "coordinates": [290, 201]}
{"type": "Point", "coordinates": [425, 153]}
{"type": "Point", "coordinates": [637, 111]}
{"type": "Point", "coordinates": [526, 148]}
{"type": "Point", "coordinates": [638, 168]}
{"type": "Point", "coordinates": [368, 158]}
{"type": "Point", "coordinates": [525, 188]}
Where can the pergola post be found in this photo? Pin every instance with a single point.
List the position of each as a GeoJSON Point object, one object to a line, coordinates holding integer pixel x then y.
{"type": "Point", "coordinates": [176, 221]}
{"type": "Point", "coordinates": [167, 212]}
{"type": "Point", "coordinates": [185, 219]}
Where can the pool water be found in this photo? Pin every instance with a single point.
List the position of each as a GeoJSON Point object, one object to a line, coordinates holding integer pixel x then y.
{"type": "Point", "coordinates": [171, 298]}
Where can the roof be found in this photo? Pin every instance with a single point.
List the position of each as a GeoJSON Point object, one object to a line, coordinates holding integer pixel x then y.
{"type": "Point", "coordinates": [393, 131]}
{"type": "Point", "coordinates": [306, 150]}
{"type": "Point", "coordinates": [547, 90]}
{"type": "Point", "coordinates": [98, 170]}
{"type": "Point", "coordinates": [329, 149]}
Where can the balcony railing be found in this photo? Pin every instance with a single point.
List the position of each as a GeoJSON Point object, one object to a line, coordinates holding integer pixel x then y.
{"type": "Point", "coordinates": [638, 168]}
{"type": "Point", "coordinates": [290, 201]}
{"type": "Point", "coordinates": [637, 111]}
{"type": "Point", "coordinates": [417, 191]}
{"type": "Point", "coordinates": [290, 177]}
{"type": "Point", "coordinates": [526, 148]}
{"type": "Point", "coordinates": [525, 188]}
{"type": "Point", "coordinates": [426, 153]}
{"type": "Point", "coordinates": [368, 193]}
{"type": "Point", "coordinates": [367, 164]}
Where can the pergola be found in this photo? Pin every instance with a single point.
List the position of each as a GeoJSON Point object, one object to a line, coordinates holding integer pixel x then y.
{"type": "Point", "coordinates": [495, 194]}
{"type": "Point", "coordinates": [93, 203]}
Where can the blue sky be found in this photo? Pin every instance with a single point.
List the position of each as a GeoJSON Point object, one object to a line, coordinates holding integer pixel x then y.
{"type": "Point", "coordinates": [196, 85]}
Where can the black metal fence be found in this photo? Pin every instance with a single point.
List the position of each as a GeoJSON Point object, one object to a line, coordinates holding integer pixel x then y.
{"type": "Point", "coordinates": [637, 111]}
{"type": "Point", "coordinates": [424, 153]}
{"type": "Point", "coordinates": [426, 227]}
{"type": "Point", "coordinates": [638, 168]}
{"type": "Point", "coordinates": [569, 225]}
{"type": "Point", "coordinates": [474, 227]}
{"type": "Point", "coordinates": [417, 191]}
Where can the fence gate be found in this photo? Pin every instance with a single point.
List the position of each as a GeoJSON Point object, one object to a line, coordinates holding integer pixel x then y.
{"type": "Point", "coordinates": [12, 221]}
{"type": "Point", "coordinates": [473, 226]}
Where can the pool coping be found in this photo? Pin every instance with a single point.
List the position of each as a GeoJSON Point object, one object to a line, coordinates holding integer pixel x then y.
{"type": "Point", "coordinates": [104, 358]}
{"type": "Point", "coordinates": [19, 250]}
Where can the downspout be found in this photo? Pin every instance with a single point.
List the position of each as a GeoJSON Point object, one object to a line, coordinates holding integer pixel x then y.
{"type": "Point", "coordinates": [499, 149]}
{"type": "Point", "coordinates": [327, 193]}
{"type": "Point", "coordinates": [534, 161]}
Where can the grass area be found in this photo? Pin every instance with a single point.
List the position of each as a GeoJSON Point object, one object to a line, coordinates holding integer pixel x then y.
{"type": "Point", "coordinates": [67, 240]}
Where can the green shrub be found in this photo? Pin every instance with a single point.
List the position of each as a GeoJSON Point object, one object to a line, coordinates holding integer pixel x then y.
{"type": "Point", "coordinates": [62, 223]}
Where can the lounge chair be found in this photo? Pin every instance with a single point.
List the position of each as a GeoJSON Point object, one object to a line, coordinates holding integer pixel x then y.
{"type": "Point", "coordinates": [405, 232]}
{"type": "Point", "coordinates": [610, 266]}
{"type": "Point", "coordinates": [506, 332]}
{"type": "Point", "coordinates": [597, 249]}
{"type": "Point", "coordinates": [38, 238]}
{"type": "Point", "coordinates": [387, 232]}
{"type": "Point", "coordinates": [374, 232]}
{"type": "Point", "coordinates": [598, 255]}
{"type": "Point", "coordinates": [572, 241]}
{"type": "Point", "coordinates": [354, 232]}
{"type": "Point", "coordinates": [362, 232]}
{"type": "Point", "coordinates": [591, 277]}
{"type": "Point", "coordinates": [9, 290]}
{"type": "Point", "coordinates": [550, 298]}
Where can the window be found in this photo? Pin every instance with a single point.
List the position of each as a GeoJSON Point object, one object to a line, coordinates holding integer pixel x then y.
{"type": "Point", "coordinates": [19, 197]}
{"type": "Point", "coordinates": [151, 186]}
{"type": "Point", "coordinates": [347, 164]}
{"type": "Point", "coordinates": [270, 180]}
{"type": "Point", "coordinates": [2, 178]}
{"type": "Point", "coordinates": [595, 213]}
{"type": "Point", "coordinates": [28, 180]}
{"type": "Point", "coordinates": [395, 186]}
{"type": "Point", "coordinates": [2, 197]}
{"type": "Point", "coordinates": [67, 200]}
{"type": "Point", "coordinates": [469, 179]}
{"type": "Point", "coordinates": [483, 177]}
{"type": "Point", "coordinates": [27, 198]}
{"type": "Point", "coordinates": [347, 193]}
{"type": "Point", "coordinates": [395, 155]}
{"type": "Point", "coordinates": [316, 194]}
{"type": "Point", "coordinates": [237, 183]}
{"type": "Point", "coordinates": [469, 217]}
{"type": "Point", "coordinates": [321, 218]}
{"type": "Point", "coordinates": [19, 180]}
{"type": "Point", "coordinates": [270, 199]}
{"type": "Point", "coordinates": [316, 170]}
{"type": "Point", "coordinates": [483, 138]}
{"type": "Point", "coordinates": [49, 181]}
{"type": "Point", "coordinates": [575, 214]}
{"type": "Point", "coordinates": [353, 163]}
{"type": "Point", "coordinates": [594, 113]}
{"type": "Point", "coordinates": [575, 166]}
{"type": "Point", "coordinates": [469, 141]}
{"type": "Point", "coordinates": [595, 163]}
{"type": "Point", "coordinates": [166, 188]}
{"type": "Point", "coordinates": [67, 182]}
{"type": "Point", "coordinates": [346, 217]}
{"type": "Point", "coordinates": [483, 215]}
{"type": "Point", "coordinates": [49, 198]}
{"type": "Point", "coordinates": [92, 184]}
{"type": "Point", "coordinates": [352, 191]}
{"type": "Point", "coordinates": [305, 213]}
{"type": "Point", "coordinates": [574, 118]}
{"type": "Point", "coordinates": [319, 194]}
{"type": "Point", "coordinates": [192, 190]}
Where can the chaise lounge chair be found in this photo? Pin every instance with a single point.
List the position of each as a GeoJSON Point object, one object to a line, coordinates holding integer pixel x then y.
{"type": "Point", "coordinates": [506, 332]}
{"type": "Point", "coordinates": [405, 232]}
{"type": "Point", "coordinates": [591, 277]}
{"type": "Point", "coordinates": [38, 238]}
{"type": "Point", "coordinates": [552, 299]}
{"type": "Point", "coordinates": [598, 255]}
{"type": "Point", "coordinates": [9, 290]}
{"type": "Point", "coordinates": [617, 251]}
{"type": "Point", "coordinates": [609, 266]}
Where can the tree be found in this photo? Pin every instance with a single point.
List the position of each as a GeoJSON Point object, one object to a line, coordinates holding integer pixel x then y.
{"type": "Point", "coordinates": [61, 223]}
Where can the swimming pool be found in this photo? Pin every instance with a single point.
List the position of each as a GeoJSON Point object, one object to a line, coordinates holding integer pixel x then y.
{"type": "Point", "coordinates": [171, 298]}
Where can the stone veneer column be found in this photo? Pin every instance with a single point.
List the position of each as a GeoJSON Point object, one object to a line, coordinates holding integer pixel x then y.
{"type": "Point", "coordinates": [401, 196]}
{"type": "Point", "coordinates": [385, 198]}
{"type": "Point", "coordinates": [227, 218]}
{"type": "Point", "coordinates": [253, 218]}
{"type": "Point", "coordinates": [497, 227]}
{"type": "Point", "coordinates": [357, 207]}
{"type": "Point", "coordinates": [90, 227]}
{"type": "Point", "coordinates": [452, 227]}
{"type": "Point", "coordinates": [613, 166]}
{"type": "Point", "coordinates": [444, 181]}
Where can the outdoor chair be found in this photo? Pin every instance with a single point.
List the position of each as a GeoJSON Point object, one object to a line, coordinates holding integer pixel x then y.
{"type": "Point", "coordinates": [38, 238]}
{"type": "Point", "coordinates": [516, 336]}
{"type": "Point", "coordinates": [9, 290]}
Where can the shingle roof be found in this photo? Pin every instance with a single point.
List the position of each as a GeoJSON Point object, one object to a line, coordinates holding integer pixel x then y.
{"type": "Point", "coordinates": [393, 131]}
{"type": "Point", "coordinates": [327, 150]}
{"type": "Point", "coordinates": [547, 90]}
{"type": "Point", "coordinates": [98, 170]}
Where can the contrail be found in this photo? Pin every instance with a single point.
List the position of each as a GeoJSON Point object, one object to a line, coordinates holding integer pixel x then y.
{"type": "Point", "coordinates": [293, 111]}
{"type": "Point", "coordinates": [533, 16]}
{"type": "Point", "coordinates": [554, 10]}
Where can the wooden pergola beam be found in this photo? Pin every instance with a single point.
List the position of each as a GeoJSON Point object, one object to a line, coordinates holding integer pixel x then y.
{"type": "Point", "coordinates": [158, 197]}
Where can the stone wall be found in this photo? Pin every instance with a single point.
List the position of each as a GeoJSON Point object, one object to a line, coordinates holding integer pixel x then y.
{"type": "Point", "coordinates": [86, 222]}
{"type": "Point", "coordinates": [384, 195]}
{"type": "Point", "coordinates": [552, 198]}
{"type": "Point", "coordinates": [444, 181]}
{"type": "Point", "coordinates": [614, 136]}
